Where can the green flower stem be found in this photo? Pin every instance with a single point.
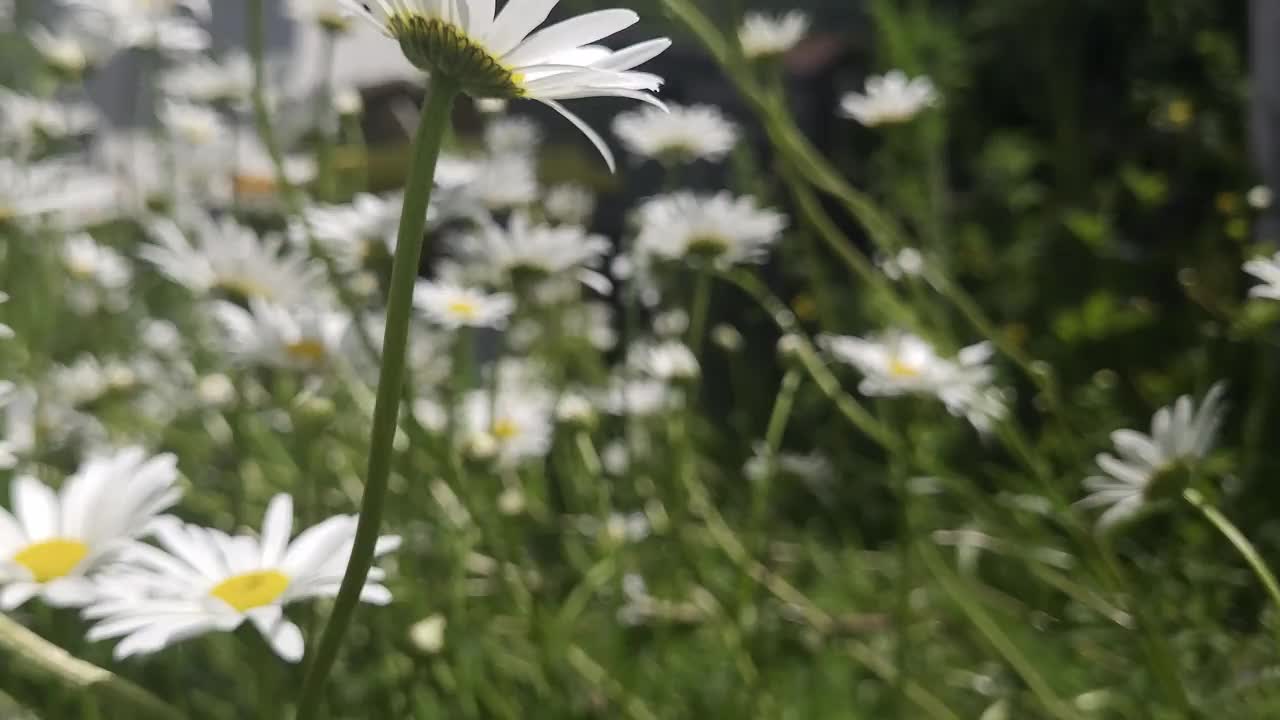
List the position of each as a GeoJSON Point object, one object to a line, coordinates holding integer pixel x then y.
{"type": "Point", "coordinates": [325, 180]}
{"type": "Point", "coordinates": [699, 308]}
{"type": "Point", "coordinates": [404, 274]}
{"type": "Point", "coordinates": [774, 432]}
{"type": "Point", "coordinates": [1237, 540]}
{"type": "Point", "coordinates": [28, 655]}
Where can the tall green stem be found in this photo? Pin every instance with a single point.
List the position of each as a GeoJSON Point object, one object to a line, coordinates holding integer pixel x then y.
{"type": "Point", "coordinates": [1237, 540]}
{"type": "Point", "coordinates": [404, 274]}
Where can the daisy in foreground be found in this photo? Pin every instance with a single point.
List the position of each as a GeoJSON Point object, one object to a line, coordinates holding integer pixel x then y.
{"type": "Point", "coordinates": [500, 56]}
{"type": "Point", "coordinates": [1181, 434]}
{"type": "Point", "coordinates": [53, 540]}
{"type": "Point", "coordinates": [890, 99]}
{"type": "Point", "coordinates": [203, 580]}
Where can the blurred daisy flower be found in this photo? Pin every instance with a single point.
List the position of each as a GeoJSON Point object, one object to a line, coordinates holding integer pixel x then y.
{"type": "Point", "coordinates": [512, 135]}
{"type": "Point", "coordinates": [194, 127]}
{"type": "Point", "coordinates": [890, 99]}
{"type": "Point", "coordinates": [73, 47]}
{"type": "Point", "coordinates": [50, 541]}
{"type": "Point", "coordinates": [1267, 270]}
{"type": "Point", "coordinates": [329, 15]}
{"type": "Point", "coordinates": [202, 580]}
{"type": "Point", "coordinates": [763, 35]}
{"type": "Point", "coordinates": [500, 56]}
{"type": "Point", "coordinates": [720, 227]}
{"type": "Point", "coordinates": [67, 192]}
{"type": "Point", "coordinates": [300, 337]}
{"type": "Point", "coordinates": [525, 249]}
{"type": "Point", "coordinates": [569, 204]}
{"type": "Point", "coordinates": [678, 134]}
{"type": "Point", "coordinates": [86, 259]}
{"type": "Point", "coordinates": [226, 256]}
{"type": "Point", "coordinates": [1146, 466]}
{"type": "Point", "coordinates": [206, 80]}
{"type": "Point", "coordinates": [669, 360]}
{"type": "Point", "coordinates": [900, 363]}
{"type": "Point", "coordinates": [518, 419]}
{"type": "Point", "coordinates": [169, 26]}
{"type": "Point", "coordinates": [454, 306]}
{"type": "Point", "coordinates": [354, 232]}
{"type": "Point", "coordinates": [30, 121]}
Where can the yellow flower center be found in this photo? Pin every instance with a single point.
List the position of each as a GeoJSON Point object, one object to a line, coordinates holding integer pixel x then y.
{"type": "Point", "coordinates": [439, 47]}
{"type": "Point", "coordinates": [307, 351]}
{"type": "Point", "coordinates": [464, 309]}
{"type": "Point", "coordinates": [51, 559]}
{"type": "Point", "coordinates": [242, 288]}
{"type": "Point", "coordinates": [505, 429]}
{"type": "Point", "coordinates": [252, 589]}
{"type": "Point", "coordinates": [900, 369]}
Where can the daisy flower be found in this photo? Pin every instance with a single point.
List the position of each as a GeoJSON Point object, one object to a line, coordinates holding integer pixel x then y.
{"type": "Point", "coordinates": [329, 15]}
{"type": "Point", "coordinates": [6, 333]}
{"type": "Point", "coordinates": [720, 227]}
{"type": "Point", "coordinates": [68, 191]}
{"type": "Point", "coordinates": [890, 99]}
{"type": "Point", "coordinates": [1145, 464]}
{"type": "Point", "coordinates": [232, 258]}
{"type": "Point", "coordinates": [471, 185]}
{"type": "Point", "coordinates": [354, 232]}
{"type": "Point", "coordinates": [297, 337]}
{"type": "Point", "coordinates": [1268, 271]}
{"type": "Point", "coordinates": [454, 306]}
{"type": "Point", "coordinates": [512, 136]}
{"type": "Point", "coordinates": [501, 56]}
{"type": "Point", "coordinates": [763, 35]}
{"type": "Point", "coordinates": [205, 80]}
{"type": "Point", "coordinates": [192, 126]}
{"type": "Point", "coordinates": [899, 363]}
{"type": "Point", "coordinates": [165, 25]}
{"type": "Point", "coordinates": [31, 120]}
{"type": "Point", "coordinates": [677, 134]}
{"type": "Point", "coordinates": [51, 541]}
{"type": "Point", "coordinates": [202, 580]}
{"type": "Point", "coordinates": [669, 360]}
{"type": "Point", "coordinates": [518, 420]}
{"type": "Point", "coordinates": [569, 204]}
{"type": "Point", "coordinates": [527, 249]}
{"type": "Point", "coordinates": [74, 46]}
{"type": "Point", "coordinates": [86, 259]}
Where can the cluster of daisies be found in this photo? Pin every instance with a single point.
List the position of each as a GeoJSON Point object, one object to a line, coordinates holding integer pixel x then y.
{"type": "Point", "coordinates": [263, 279]}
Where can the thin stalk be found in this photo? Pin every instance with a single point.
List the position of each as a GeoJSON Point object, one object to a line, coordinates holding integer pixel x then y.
{"type": "Point", "coordinates": [29, 655]}
{"type": "Point", "coordinates": [699, 309]}
{"type": "Point", "coordinates": [426, 151]}
{"type": "Point", "coordinates": [324, 119]}
{"type": "Point", "coordinates": [1237, 540]}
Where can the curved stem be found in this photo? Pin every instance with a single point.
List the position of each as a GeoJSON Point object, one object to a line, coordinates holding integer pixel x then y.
{"type": "Point", "coordinates": [1238, 540]}
{"type": "Point", "coordinates": [404, 273]}
{"type": "Point", "coordinates": [28, 654]}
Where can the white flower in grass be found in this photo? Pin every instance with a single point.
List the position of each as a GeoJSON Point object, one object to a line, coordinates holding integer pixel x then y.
{"type": "Point", "coordinates": [1260, 197]}
{"type": "Point", "coordinates": [763, 35]}
{"type": "Point", "coordinates": [470, 186]}
{"type": "Point", "coordinates": [329, 15]}
{"type": "Point", "coordinates": [226, 256]}
{"type": "Point", "coordinates": [50, 541]}
{"type": "Point", "coordinates": [1268, 271]}
{"type": "Point", "coordinates": [297, 337]}
{"type": "Point", "coordinates": [90, 261]}
{"type": "Point", "coordinates": [31, 120]}
{"type": "Point", "coordinates": [907, 263]}
{"type": "Point", "coordinates": [68, 192]}
{"type": "Point", "coordinates": [669, 360]}
{"type": "Point", "coordinates": [192, 126]}
{"type": "Point", "coordinates": [74, 46]}
{"type": "Point", "coordinates": [527, 249]}
{"type": "Point", "coordinates": [677, 135]}
{"type": "Point", "coordinates": [1146, 466]}
{"type": "Point", "coordinates": [512, 136]}
{"type": "Point", "coordinates": [519, 419]}
{"type": "Point", "coordinates": [165, 25]}
{"type": "Point", "coordinates": [202, 580]}
{"type": "Point", "coordinates": [205, 80]}
{"type": "Point", "coordinates": [354, 232]}
{"type": "Point", "coordinates": [900, 363]}
{"type": "Point", "coordinates": [501, 56]}
{"type": "Point", "coordinates": [454, 306]}
{"type": "Point", "coordinates": [569, 204]}
{"type": "Point", "coordinates": [890, 99]}
{"type": "Point", "coordinates": [720, 227]}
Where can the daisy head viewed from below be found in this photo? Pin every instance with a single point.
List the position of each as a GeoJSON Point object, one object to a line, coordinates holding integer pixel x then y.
{"type": "Point", "coordinates": [51, 541]}
{"type": "Point", "coordinates": [719, 228]}
{"type": "Point", "coordinates": [678, 134]}
{"type": "Point", "coordinates": [763, 35]}
{"type": "Point", "coordinates": [201, 580]}
{"type": "Point", "coordinates": [489, 54]}
{"type": "Point", "coordinates": [1149, 468]}
{"type": "Point", "coordinates": [890, 99]}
